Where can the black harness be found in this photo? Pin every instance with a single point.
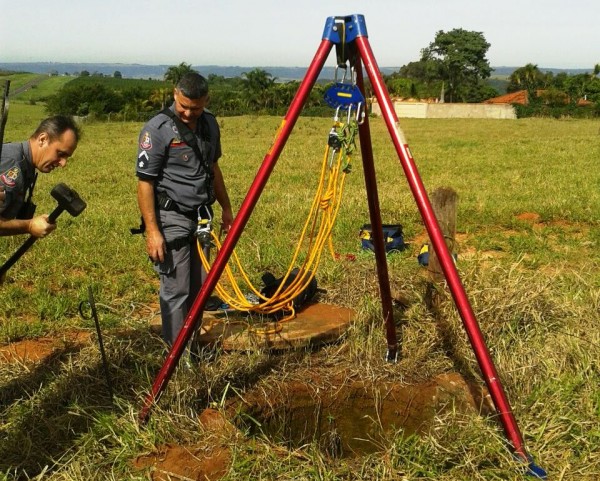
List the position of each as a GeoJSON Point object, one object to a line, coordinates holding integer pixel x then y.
{"type": "Point", "coordinates": [201, 149]}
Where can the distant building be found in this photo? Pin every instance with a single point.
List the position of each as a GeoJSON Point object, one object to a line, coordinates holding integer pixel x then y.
{"type": "Point", "coordinates": [520, 97]}
{"type": "Point", "coordinates": [433, 109]}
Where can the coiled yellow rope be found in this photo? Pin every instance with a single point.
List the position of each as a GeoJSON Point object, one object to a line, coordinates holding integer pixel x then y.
{"type": "Point", "coordinates": [317, 228]}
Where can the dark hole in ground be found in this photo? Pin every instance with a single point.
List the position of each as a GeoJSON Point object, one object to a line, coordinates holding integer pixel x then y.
{"type": "Point", "coordinates": [352, 418]}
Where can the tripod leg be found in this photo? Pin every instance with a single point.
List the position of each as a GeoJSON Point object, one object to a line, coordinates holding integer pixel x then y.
{"type": "Point", "coordinates": [435, 234]}
{"type": "Point", "coordinates": [269, 161]}
{"type": "Point", "coordinates": [366, 148]}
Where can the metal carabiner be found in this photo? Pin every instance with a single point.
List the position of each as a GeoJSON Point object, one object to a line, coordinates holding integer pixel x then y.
{"type": "Point", "coordinates": [360, 113]}
{"type": "Point", "coordinates": [353, 76]}
{"type": "Point", "coordinates": [335, 73]}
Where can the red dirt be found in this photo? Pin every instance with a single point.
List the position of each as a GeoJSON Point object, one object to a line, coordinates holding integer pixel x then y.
{"type": "Point", "coordinates": [197, 462]}
{"type": "Point", "coordinates": [532, 217]}
{"type": "Point", "coordinates": [34, 350]}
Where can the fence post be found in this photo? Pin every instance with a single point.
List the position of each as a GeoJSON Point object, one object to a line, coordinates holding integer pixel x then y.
{"type": "Point", "coordinates": [443, 203]}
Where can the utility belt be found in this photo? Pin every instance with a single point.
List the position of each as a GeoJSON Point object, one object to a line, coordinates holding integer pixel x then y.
{"type": "Point", "coordinates": [202, 215]}
{"type": "Point", "coordinates": [180, 242]}
{"type": "Point", "coordinates": [164, 202]}
{"type": "Point", "coordinates": [202, 234]}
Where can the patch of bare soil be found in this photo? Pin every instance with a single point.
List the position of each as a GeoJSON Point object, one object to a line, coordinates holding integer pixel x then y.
{"type": "Point", "coordinates": [198, 462]}
{"type": "Point", "coordinates": [531, 217]}
{"type": "Point", "coordinates": [36, 350]}
{"type": "Point", "coordinates": [206, 461]}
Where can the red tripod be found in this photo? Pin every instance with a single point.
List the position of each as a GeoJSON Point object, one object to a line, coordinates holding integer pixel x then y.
{"type": "Point", "coordinates": [349, 34]}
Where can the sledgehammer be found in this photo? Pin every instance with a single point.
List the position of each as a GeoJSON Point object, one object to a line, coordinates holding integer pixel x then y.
{"type": "Point", "coordinates": [68, 200]}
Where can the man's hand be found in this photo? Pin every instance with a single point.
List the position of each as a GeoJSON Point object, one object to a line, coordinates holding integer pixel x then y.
{"type": "Point", "coordinates": [155, 246]}
{"type": "Point", "coordinates": [40, 226]}
{"type": "Point", "coordinates": [2, 197]}
{"type": "Point", "coordinates": [226, 220]}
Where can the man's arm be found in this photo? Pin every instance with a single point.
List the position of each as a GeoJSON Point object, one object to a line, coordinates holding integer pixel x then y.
{"type": "Point", "coordinates": [155, 242]}
{"type": "Point", "coordinates": [37, 227]}
{"type": "Point", "coordinates": [223, 199]}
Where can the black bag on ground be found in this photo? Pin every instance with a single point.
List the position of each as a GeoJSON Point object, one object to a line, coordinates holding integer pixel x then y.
{"type": "Point", "coordinates": [393, 237]}
{"type": "Point", "coordinates": [272, 284]}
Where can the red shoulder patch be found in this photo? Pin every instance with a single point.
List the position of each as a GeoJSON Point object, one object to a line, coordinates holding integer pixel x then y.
{"type": "Point", "coordinates": [9, 178]}
{"type": "Point", "coordinates": [146, 141]}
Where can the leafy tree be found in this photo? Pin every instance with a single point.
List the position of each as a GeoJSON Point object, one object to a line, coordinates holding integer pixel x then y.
{"type": "Point", "coordinates": [92, 98]}
{"type": "Point", "coordinates": [117, 74]}
{"type": "Point", "coordinates": [174, 73]}
{"type": "Point", "coordinates": [460, 58]}
{"type": "Point", "coordinates": [84, 73]}
{"type": "Point", "coordinates": [554, 97]}
{"type": "Point", "coordinates": [416, 80]}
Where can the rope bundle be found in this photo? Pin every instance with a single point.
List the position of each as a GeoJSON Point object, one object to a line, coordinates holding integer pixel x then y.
{"type": "Point", "coordinates": [317, 229]}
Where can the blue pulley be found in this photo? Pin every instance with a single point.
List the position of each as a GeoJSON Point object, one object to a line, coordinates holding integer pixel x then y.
{"type": "Point", "coordinates": [344, 95]}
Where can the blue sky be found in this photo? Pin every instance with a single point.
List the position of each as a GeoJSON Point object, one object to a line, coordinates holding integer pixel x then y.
{"type": "Point", "coordinates": [549, 33]}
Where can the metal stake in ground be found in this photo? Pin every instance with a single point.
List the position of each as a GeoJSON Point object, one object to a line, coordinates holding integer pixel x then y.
{"type": "Point", "coordinates": [94, 313]}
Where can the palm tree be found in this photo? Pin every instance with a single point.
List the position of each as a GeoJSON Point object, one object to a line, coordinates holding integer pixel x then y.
{"type": "Point", "coordinates": [528, 78]}
{"type": "Point", "coordinates": [160, 96]}
{"type": "Point", "coordinates": [258, 84]}
{"type": "Point", "coordinates": [175, 73]}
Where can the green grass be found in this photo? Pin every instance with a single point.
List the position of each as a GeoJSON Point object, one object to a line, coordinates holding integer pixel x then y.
{"type": "Point", "coordinates": [534, 288]}
{"type": "Point", "coordinates": [40, 87]}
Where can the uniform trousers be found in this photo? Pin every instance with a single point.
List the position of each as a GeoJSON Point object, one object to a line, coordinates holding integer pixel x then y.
{"type": "Point", "coordinates": [181, 274]}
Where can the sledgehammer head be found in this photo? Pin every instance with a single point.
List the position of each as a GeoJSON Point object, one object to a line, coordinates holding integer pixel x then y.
{"type": "Point", "coordinates": [68, 199]}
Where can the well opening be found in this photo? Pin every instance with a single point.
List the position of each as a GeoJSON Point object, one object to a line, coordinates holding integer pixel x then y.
{"type": "Point", "coordinates": [352, 418]}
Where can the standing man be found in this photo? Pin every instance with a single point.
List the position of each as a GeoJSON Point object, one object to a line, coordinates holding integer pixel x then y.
{"type": "Point", "coordinates": [178, 181]}
{"type": "Point", "coordinates": [53, 142]}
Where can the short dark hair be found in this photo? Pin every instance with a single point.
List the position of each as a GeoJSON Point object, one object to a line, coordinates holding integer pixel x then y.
{"type": "Point", "coordinates": [56, 126]}
{"type": "Point", "coordinates": [193, 85]}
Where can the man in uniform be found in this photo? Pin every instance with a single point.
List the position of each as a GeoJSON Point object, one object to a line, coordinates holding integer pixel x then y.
{"type": "Point", "coordinates": [52, 143]}
{"type": "Point", "coordinates": [178, 181]}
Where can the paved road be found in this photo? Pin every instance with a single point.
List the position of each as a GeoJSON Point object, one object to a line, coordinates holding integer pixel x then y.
{"type": "Point", "coordinates": [24, 88]}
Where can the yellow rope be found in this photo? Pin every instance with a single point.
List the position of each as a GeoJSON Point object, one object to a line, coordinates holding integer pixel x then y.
{"type": "Point", "coordinates": [318, 226]}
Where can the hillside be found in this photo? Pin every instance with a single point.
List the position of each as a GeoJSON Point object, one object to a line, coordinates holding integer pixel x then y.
{"type": "Point", "coordinates": [157, 71]}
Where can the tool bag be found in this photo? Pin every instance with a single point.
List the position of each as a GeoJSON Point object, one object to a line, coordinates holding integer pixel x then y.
{"type": "Point", "coordinates": [272, 284]}
{"type": "Point", "coordinates": [392, 237]}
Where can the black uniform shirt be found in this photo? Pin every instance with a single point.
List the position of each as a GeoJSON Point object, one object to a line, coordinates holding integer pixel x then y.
{"type": "Point", "coordinates": [16, 175]}
{"type": "Point", "coordinates": [165, 158]}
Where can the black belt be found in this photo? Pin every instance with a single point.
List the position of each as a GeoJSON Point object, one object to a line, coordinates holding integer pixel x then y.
{"type": "Point", "coordinates": [180, 242]}
{"type": "Point", "coordinates": [166, 203]}
{"type": "Point", "coordinates": [192, 215]}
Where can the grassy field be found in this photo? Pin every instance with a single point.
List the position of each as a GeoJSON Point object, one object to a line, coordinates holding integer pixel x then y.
{"type": "Point", "coordinates": [32, 88]}
{"type": "Point", "coordinates": [528, 237]}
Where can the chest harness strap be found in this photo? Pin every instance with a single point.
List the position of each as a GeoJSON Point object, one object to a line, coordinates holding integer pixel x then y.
{"type": "Point", "coordinates": [190, 139]}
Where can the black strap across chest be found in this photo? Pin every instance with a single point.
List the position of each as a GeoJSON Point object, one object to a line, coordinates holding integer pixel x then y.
{"type": "Point", "coordinates": [190, 139]}
{"type": "Point", "coordinates": [187, 135]}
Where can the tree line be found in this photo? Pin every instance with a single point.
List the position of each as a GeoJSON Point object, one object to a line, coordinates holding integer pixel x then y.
{"type": "Point", "coordinates": [452, 68]}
